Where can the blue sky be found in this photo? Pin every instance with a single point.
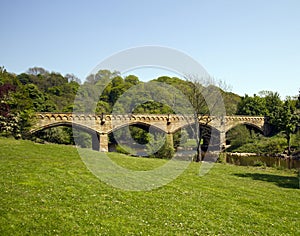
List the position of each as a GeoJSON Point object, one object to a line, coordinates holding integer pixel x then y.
{"type": "Point", "coordinates": [251, 45]}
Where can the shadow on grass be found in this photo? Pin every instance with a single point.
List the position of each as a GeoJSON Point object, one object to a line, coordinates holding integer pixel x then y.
{"type": "Point", "coordinates": [280, 181]}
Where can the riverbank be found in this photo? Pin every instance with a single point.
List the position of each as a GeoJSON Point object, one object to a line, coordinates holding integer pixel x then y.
{"type": "Point", "coordinates": [256, 159]}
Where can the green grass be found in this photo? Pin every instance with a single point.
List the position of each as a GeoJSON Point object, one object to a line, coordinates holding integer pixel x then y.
{"type": "Point", "coordinates": [47, 190]}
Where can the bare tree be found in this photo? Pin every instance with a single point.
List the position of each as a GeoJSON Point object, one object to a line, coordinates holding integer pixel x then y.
{"type": "Point", "coordinates": [37, 71]}
{"type": "Point", "coordinates": [72, 77]}
{"type": "Point", "coordinates": [206, 99]}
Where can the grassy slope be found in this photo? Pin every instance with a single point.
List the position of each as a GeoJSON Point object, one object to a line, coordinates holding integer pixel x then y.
{"type": "Point", "coordinates": [46, 189]}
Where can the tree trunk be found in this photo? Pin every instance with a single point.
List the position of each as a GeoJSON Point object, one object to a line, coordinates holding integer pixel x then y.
{"type": "Point", "coordinates": [288, 137]}
{"type": "Point", "coordinates": [198, 139]}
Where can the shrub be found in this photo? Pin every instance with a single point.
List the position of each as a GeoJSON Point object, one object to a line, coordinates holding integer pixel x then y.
{"type": "Point", "coordinates": [157, 150]}
{"type": "Point", "coordinates": [238, 136]}
{"type": "Point", "coordinates": [125, 149]}
{"type": "Point", "coordinates": [272, 145]}
{"type": "Point", "coordinates": [259, 163]}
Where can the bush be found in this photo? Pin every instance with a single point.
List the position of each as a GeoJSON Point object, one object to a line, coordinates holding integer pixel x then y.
{"type": "Point", "coordinates": [270, 146]}
{"type": "Point", "coordinates": [165, 152]}
{"type": "Point", "coordinates": [259, 163]}
{"type": "Point", "coordinates": [156, 150]}
{"type": "Point", "coordinates": [60, 135]}
{"type": "Point", "coordinates": [238, 136]}
{"type": "Point", "coordinates": [125, 149]}
{"type": "Point", "coordinates": [246, 148]}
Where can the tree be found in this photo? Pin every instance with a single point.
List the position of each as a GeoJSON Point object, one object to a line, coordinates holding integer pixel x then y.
{"type": "Point", "coordinates": [37, 71]}
{"type": "Point", "coordinates": [35, 95]}
{"type": "Point", "coordinates": [131, 79]}
{"type": "Point", "coordinates": [72, 78]}
{"type": "Point", "coordinates": [7, 121]}
{"type": "Point", "coordinates": [273, 105]}
{"type": "Point", "coordinates": [287, 121]}
{"type": "Point", "coordinates": [207, 102]}
{"type": "Point", "coordinates": [104, 76]}
{"type": "Point", "coordinates": [252, 106]}
{"type": "Point", "coordinates": [15, 114]}
{"type": "Point", "coordinates": [25, 78]}
{"type": "Point", "coordinates": [103, 107]}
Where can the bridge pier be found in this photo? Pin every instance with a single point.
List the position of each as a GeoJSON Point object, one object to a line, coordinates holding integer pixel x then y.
{"type": "Point", "coordinates": [103, 142]}
{"type": "Point", "coordinates": [222, 140]}
{"type": "Point", "coordinates": [95, 141]}
{"type": "Point", "coordinates": [169, 139]}
{"type": "Point", "coordinates": [100, 142]}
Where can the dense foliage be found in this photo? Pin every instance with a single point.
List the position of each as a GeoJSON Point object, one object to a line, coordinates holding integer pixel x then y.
{"type": "Point", "coordinates": [283, 116]}
{"type": "Point", "coordinates": [35, 91]}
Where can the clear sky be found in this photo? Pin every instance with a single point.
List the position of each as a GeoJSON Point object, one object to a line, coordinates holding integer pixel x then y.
{"type": "Point", "coordinates": [252, 45]}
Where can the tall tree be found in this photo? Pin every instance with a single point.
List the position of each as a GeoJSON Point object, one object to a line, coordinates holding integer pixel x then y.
{"type": "Point", "coordinates": [273, 105]}
{"type": "Point", "coordinates": [252, 106]}
{"type": "Point", "coordinates": [207, 102]}
{"type": "Point", "coordinates": [287, 121]}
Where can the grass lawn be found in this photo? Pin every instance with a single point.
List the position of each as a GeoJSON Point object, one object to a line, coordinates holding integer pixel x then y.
{"type": "Point", "coordinates": [47, 190]}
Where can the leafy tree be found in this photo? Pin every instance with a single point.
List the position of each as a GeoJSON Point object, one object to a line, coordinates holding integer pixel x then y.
{"type": "Point", "coordinates": [115, 93]}
{"type": "Point", "coordinates": [103, 107]}
{"type": "Point", "coordinates": [152, 107]}
{"type": "Point", "coordinates": [231, 102]}
{"type": "Point", "coordinates": [131, 79]}
{"type": "Point", "coordinates": [104, 76]}
{"type": "Point", "coordinates": [36, 96]}
{"type": "Point", "coordinates": [15, 113]}
{"type": "Point", "coordinates": [25, 78]}
{"type": "Point", "coordinates": [273, 107]}
{"type": "Point", "coordinates": [8, 122]}
{"type": "Point", "coordinates": [252, 106]}
{"type": "Point", "coordinates": [272, 101]}
{"type": "Point", "coordinates": [287, 121]}
{"type": "Point", "coordinates": [5, 91]}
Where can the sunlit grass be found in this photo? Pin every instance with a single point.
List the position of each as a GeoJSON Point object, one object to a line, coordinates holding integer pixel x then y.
{"type": "Point", "coordinates": [47, 190]}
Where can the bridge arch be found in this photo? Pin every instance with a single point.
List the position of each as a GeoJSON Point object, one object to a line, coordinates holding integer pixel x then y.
{"type": "Point", "coordinates": [247, 124]}
{"type": "Point", "coordinates": [95, 136]}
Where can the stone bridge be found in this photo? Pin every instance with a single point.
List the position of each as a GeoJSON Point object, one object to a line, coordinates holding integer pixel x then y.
{"type": "Point", "coordinates": [102, 125]}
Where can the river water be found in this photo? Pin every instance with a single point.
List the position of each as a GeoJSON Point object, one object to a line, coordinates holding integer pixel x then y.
{"type": "Point", "coordinates": [270, 161]}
